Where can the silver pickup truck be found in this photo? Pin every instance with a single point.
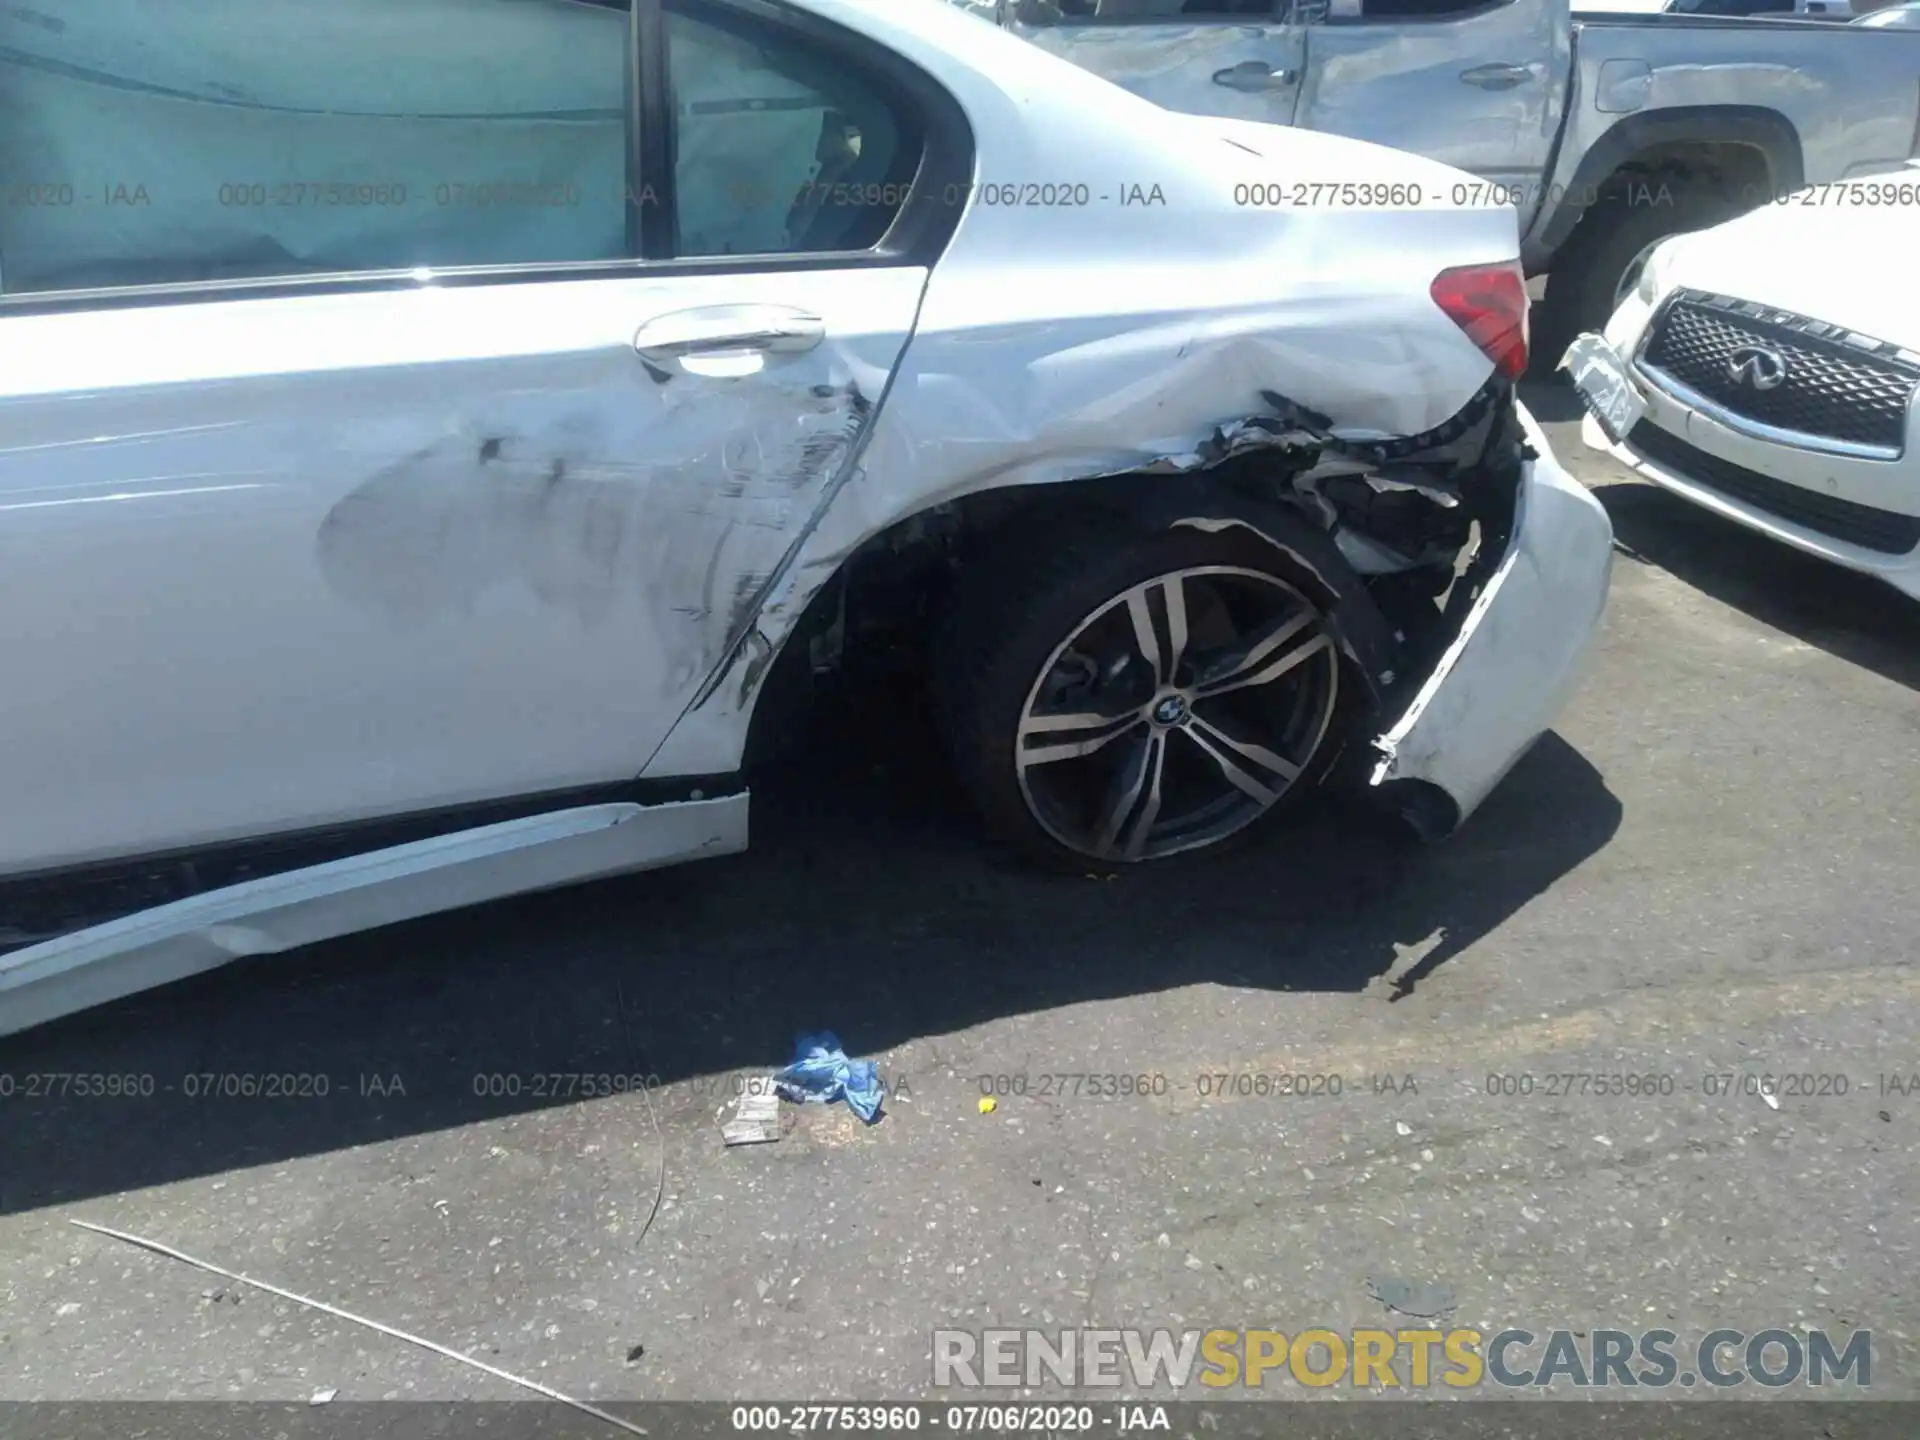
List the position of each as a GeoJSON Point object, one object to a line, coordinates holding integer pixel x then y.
{"type": "Point", "coordinates": [1607, 132]}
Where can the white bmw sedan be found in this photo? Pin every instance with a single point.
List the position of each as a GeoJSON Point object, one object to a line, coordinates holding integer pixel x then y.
{"type": "Point", "coordinates": [430, 431]}
{"type": "Point", "coordinates": [1759, 372]}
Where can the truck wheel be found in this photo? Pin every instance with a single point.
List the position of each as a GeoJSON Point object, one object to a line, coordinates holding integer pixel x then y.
{"type": "Point", "coordinates": [1111, 697]}
{"type": "Point", "coordinates": [1600, 263]}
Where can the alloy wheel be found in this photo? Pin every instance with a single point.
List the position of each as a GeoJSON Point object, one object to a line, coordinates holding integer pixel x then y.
{"type": "Point", "coordinates": [1177, 714]}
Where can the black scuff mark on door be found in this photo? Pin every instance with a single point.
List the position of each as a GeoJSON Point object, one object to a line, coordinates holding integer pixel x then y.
{"type": "Point", "coordinates": [690, 517]}
{"type": "Point", "coordinates": [823, 453]}
{"type": "Point", "coordinates": [821, 456]}
{"type": "Point", "coordinates": [829, 458]}
{"type": "Point", "coordinates": [826, 446]}
{"type": "Point", "coordinates": [744, 601]}
{"type": "Point", "coordinates": [431, 532]}
{"type": "Point", "coordinates": [711, 577]}
{"type": "Point", "coordinates": [759, 656]}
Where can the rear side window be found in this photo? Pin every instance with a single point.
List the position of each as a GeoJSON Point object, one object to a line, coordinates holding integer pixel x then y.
{"type": "Point", "coordinates": [779, 146]}
{"type": "Point", "coordinates": [193, 140]}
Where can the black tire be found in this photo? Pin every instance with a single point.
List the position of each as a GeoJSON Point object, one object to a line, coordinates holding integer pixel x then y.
{"type": "Point", "coordinates": [1586, 272]}
{"type": "Point", "coordinates": [1016, 606]}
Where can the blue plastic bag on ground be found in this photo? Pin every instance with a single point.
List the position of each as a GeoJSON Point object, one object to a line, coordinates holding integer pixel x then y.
{"type": "Point", "coordinates": [821, 1073]}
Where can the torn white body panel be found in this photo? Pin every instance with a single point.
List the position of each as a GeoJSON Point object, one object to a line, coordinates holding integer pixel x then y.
{"type": "Point", "coordinates": [264, 917]}
{"type": "Point", "coordinates": [1523, 648]}
{"type": "Point", "coordinates": [1117, 335]}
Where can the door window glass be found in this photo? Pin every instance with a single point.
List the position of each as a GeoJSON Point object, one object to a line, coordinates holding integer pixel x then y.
{"type": "Point", "coordinates": [779, 146]}
{"type": "Point", "coordinates": [160, 141]}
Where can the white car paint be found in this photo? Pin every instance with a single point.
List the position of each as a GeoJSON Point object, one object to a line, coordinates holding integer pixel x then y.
{"type": "Point", "coordinates": [1893, 17]}
{"type": "Point", "coordinates": [1764, 257]}
{"type": "Point", "coordinates": [315, 559]}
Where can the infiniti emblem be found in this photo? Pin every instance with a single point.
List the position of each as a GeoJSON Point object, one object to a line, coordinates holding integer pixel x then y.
{"type": "Point", "coordinates": [1757, 366]}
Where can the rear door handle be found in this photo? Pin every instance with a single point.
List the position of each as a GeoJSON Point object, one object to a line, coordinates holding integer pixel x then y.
{"type": "Point", "coordinates": [1255, 75]}
{"type": "Point", "coordinates": [714, 329]}
{"type": "Point", "coordinates": [1498, 77]}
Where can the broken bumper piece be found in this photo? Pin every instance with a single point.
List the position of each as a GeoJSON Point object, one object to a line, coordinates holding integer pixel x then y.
{"type": "Point", "coordinates": [1520, 654]}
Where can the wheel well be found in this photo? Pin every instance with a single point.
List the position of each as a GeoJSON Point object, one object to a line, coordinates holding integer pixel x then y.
{"type": "Point", "coordinates": [1735, 169]}
{"type": "Point", "coordinates": [880, 607]}
{"type": "Point", "coordinates": [877, 617]}
{"type": "Point", "coordinates": [1670, 184]}
{"type": "Point", "coordinates": [1383, 558]}
{"type": "Point", "coordinates": [1744, 153]}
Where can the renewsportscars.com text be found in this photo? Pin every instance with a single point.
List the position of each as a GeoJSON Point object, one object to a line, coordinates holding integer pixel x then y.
{"type": "Point", "coordinates": [1458, 1359]}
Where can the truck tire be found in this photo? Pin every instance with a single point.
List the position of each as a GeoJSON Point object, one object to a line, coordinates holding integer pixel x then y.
{"type": "Point", "coordinates": [1588, 275]}
{"type": "Point", "coordinates": [1048, 632]}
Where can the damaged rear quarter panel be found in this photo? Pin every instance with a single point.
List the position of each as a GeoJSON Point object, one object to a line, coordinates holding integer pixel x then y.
{"type": "Point", "coordinates": [1071, 341]}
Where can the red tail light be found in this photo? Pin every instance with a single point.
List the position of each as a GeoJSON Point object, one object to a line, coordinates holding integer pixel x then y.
{"type": "Point", "coordinates": [1489, 302]}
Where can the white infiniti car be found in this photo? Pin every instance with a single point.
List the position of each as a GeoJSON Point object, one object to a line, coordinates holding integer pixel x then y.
{"type": "Point", "coordinates": [417, 472]}
{"type": "Point", "coordinates": [1757, 374]}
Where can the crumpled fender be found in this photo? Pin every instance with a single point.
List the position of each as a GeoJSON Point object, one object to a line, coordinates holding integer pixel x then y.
{"type": "Point", "coordinates": [1177, 486]}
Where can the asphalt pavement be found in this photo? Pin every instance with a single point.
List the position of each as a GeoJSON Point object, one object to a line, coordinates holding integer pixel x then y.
{"type": "Point", "coordinates": [1709, 875]}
